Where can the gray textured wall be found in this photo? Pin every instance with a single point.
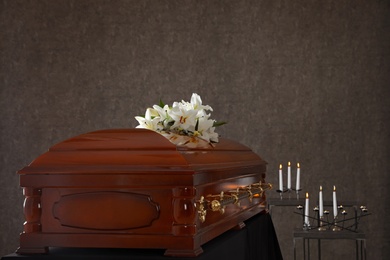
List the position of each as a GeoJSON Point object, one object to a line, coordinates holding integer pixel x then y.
{"type": "Point", "coordinates": [304, 81]}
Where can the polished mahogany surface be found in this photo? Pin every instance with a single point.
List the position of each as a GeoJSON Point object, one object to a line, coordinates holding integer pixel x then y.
{"type": "Point", "coordinates": [120, 151]}
{"type": "Point", "coordinates": [132, 188]}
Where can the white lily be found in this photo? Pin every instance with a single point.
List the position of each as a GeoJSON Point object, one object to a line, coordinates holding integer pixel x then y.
{"type": "Point", "coordinates": [205, 129]}
{"type": "Point", "coordinates": [183, 118]}
{"type": "Point", "coordinates": [196, 103]}
{"type": "Point", "coordinates": [213, 135]}
{"type": "Point", "coordinates": [150, 121]}
{"type": "Point", "coordinates": [163, 113]}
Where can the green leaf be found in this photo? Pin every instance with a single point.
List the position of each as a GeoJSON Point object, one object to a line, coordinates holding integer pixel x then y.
{"type": "Point", "coordinates": [161, 103]}
{"type": "Point", "coordinates": [216, 124]}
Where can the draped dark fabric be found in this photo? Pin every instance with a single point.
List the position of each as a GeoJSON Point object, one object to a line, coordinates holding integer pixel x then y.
{"type": "Point", "coordinates": [256, 241]}
{"type": "Point", "coordinates": [261, 240]}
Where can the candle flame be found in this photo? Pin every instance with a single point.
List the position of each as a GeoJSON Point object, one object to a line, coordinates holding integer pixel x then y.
{"type": "Point", "coordinates": [298, 165]}
{"type": "Point", "coordinates": [280, 166]}
{"type": "Point", "coordinates": [307, 195]}
{"type": "Point", "coordinates": [289, 164]}
{"type": "Point", "coordinates": [334, 188]}
{"type": "Point", "coordinates": [320, 188]}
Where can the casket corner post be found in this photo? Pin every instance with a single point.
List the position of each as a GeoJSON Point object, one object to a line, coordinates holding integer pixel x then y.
{"type": "Point", "coordinates": [32, 226]}
{"type": "Point", "coordinates": [185, 223]}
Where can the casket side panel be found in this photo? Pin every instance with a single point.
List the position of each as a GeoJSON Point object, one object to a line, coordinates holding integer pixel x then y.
{"type": "Point", "coordinates": [105, 207]}
{"type": "Point", "coordinates": [105, 210]}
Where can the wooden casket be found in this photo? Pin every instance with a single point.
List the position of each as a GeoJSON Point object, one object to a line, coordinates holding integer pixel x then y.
{"type": "Point", "coordinates": [132, 188]}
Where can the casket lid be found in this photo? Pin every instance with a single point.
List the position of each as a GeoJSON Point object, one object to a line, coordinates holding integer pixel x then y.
{"type": "Point", "coordinates": [132, 151]}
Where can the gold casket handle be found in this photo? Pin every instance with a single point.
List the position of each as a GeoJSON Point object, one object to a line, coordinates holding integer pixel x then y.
{"type": "Point", "coordinates": [218, 202]}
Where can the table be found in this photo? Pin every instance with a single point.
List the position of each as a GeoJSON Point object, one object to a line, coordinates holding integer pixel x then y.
{"type": "Point", "coordinates": [307, 235]}
{"type": "Point", "coordinates": [285, 202]}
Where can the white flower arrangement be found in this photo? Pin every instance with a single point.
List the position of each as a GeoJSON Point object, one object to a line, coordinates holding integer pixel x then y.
{"type": "Point", "coordinates": [183, 123]}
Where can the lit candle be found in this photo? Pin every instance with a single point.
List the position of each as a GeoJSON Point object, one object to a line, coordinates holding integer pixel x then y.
{"type": "Point", "coordinates": [280, 178]}
{"type": "Point", "coordinates": [289, 176]}
{"type": "Point", "coordinates": [321, 202]}
{"type": "Point", "coordinates": [307, 210]}
{"type": "Point", "coordinates": [298, 177]}
{"type": "Point", "coordinates": [334, 202]}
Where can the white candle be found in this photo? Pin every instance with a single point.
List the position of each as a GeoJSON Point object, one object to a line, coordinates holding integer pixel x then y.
{"type": "Point", "coordinates": [280, 178]}
{"type": "Point", "coordinates": [298, 177]}
{"type": "Point", "coordinates": [289, 176]}
{"type": "Point", "coordinates": [334, 202]}
{"type": "Point", "coordinates": [321, 202]}
{"type": "Point", "coordinates": [307, 210]}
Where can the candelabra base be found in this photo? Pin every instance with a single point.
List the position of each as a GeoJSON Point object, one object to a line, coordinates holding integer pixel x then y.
{"type": "Point", "coordinates": [297, 192]}
{"type": "Point", "coordinates": [281, 192]}
{"type": "Point", "coordinates": [336, 228]}
{"type": "Point", "coordinates": [306, 226]}
{"type": "Point", "coordinates": [321, 226]}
